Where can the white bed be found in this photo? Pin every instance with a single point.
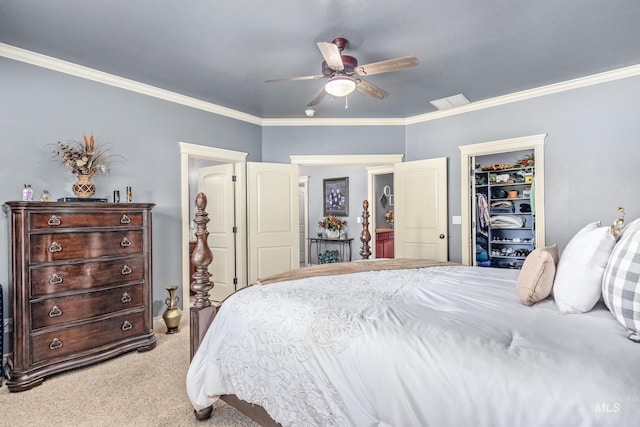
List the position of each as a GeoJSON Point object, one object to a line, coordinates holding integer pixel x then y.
{"type": "Point", "coordinates": [439, 346]}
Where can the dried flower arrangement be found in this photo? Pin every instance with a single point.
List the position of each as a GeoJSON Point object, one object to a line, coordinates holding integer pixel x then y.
{"type": "Point", "coordinates": [332, 223]}
{"type": "Point", "coordinates": [84, 158]}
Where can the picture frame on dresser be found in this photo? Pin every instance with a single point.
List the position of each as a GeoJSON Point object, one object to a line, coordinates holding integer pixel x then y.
{"type": "Point", "coordinates": [335, 193]}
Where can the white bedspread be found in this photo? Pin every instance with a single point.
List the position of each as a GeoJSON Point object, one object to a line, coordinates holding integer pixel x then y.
{"type": "Point", "coordinates": [441, 346]}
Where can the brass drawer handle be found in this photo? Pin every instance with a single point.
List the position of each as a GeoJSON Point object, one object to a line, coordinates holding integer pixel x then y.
{"type": "Point", "coordinates": [55, 279]}
{"type": "Point", "coordinates": [126, 270]}
{"type": "Point", "coordinates": [125, 242]}
{"type": "Point", "coordinates": [54, 220]}
{"type": "Point", "coordinates": [126, 298]}
{"type": "Point", "coordinates": [55, 311]}
{"type": "Point", "coordinates": [126, 326]}
{"type": "Point", "coordinates": [125, 219]}
{"type": "Point", "coordinates": [55, 343]}
{"type": "Point", "coordinates": [55, 247]}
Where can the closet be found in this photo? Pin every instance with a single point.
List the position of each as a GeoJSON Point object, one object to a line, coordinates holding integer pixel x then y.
{"type": "Point", "coordinates": [505, 208]}
{"type": "Point", "coordinates": [502, 201]}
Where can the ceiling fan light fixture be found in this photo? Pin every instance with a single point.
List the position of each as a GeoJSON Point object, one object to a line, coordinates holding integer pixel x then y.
{"type": "Point", "coordinates": [340, 86]}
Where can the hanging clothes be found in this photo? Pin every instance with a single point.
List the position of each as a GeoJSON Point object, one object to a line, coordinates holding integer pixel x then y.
{"type": "Point", "coordinates": [483, 211]}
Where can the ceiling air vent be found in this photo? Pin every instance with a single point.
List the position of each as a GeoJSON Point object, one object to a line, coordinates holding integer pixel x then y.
{"type": "Point", "coordinates": [450, 102]}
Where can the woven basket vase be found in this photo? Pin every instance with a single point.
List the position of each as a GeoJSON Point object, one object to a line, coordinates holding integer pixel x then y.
{"type": "Point", "coordinates": [83, 187]}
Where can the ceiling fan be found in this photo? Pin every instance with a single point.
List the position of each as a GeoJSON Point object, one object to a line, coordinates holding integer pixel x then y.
{"type": "Point", "coordinates": [343, 72]}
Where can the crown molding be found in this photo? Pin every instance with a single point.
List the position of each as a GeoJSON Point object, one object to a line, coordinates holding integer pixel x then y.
{"type": "Point", "coordinates": [333, 160]}
{"type": "Point", "coordinates": [316, 121]}
{"type": "Point", "coordinates": [37, 59]}
{"type": "Point", "coordinates": [595, 79]}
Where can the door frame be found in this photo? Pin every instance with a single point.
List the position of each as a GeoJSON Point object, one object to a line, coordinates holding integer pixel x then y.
{"type": "Point", "coordinates": [372, 172]}
{"type": "Point", "coordinates": [535, 142]}
{"type": "Point", "coordinates": [188, 150]}
{"type": "Point", "coordinates": [303, 188]}
{"type": "Point", "coordinates": [381, 161]}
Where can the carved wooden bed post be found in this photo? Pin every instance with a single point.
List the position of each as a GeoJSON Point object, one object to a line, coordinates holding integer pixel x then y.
{"type": "Point", "coordinates": [365, 235]}
{"type": "Point", "coordinates": [202, 312]}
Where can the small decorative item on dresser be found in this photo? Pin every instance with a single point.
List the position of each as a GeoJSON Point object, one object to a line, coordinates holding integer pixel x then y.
{"type": "Point", "coordinates": [27, 193]}
{"type": "Point", "coordinates": [46, 196]}
{"type": "Point", "coordinates": [83, 187]}
{"type": "Point", "coordinates": [172, 314]}
{"type": "Point", "coordinates": [85, 159]}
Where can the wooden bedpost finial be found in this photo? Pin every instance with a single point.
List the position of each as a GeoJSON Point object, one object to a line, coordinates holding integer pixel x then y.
{"type": "Point", "coordinates": [201, 256]}
{"type": "Point", "coordinates": [365, 235]}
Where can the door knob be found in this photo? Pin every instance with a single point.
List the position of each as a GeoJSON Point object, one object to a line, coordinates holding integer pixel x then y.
{"type": "Point", "coordinates": [442, 236]}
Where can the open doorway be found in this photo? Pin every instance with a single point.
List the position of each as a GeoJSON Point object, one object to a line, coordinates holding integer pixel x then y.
{"type": "Point", "coordinates": [468, 154]}
{"type": "Point", "coordinates": [214, 155]}
{"type": "Point", "coordinates": [381, 199]}
{"type": "Point", "coordinates": [370, 162]}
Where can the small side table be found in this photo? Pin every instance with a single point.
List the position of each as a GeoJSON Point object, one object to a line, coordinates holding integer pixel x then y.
{"type": "Point", "coordinates": [320, 242]}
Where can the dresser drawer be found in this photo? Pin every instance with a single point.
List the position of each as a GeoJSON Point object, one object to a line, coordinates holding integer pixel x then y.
{"type": "Point", "coordinates": [62, 246]}
{"type": "Point", "coordinates": [54, 311]}
{"type": "Point", "coordinates": [55, 219]}
{"type": "Point", "coordinates": [85, 275]}
{"type": "Point", "coordinates": [76, 339]}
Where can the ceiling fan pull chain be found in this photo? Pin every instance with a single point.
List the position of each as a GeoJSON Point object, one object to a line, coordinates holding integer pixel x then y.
{"type": "Point", "coordinates": [346, 102]}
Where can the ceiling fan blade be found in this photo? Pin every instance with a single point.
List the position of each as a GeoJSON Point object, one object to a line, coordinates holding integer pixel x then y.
{"type": "Point", "coordinates": [387, 66]}
{"type": "Point", "coordinates": [284, 79]}
{"type": "Point", "coordinates": [369, 89]}
{"type": "Point", "coordinates": [331, 55]}
{"type": "Point", "coordinates": [316, 99]}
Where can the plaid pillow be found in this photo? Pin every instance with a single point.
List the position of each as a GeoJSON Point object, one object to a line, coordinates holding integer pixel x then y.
{"type": "Point", "coordinates": [621, 280]}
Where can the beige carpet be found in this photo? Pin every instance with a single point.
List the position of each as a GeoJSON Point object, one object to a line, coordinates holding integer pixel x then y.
{"type": "Point", "coordinates": [135, 389]}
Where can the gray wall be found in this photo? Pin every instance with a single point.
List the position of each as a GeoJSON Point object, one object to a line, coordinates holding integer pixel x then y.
{"type": "Point", "coordinates": [40, 107]}
{"type": "Point", "coordinates": [592, 150]}
{"type": "Point", "coordinates": [278, 143]}
{"type": "Point", "coordinates": [591, 153]}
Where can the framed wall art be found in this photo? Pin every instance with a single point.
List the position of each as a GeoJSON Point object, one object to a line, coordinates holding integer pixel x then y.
{"type": "Point", "coordinates": [336, 196]}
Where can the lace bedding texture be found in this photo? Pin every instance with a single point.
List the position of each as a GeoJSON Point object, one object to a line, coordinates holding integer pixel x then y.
{"type": "Point", "coordinates": [448, 345]}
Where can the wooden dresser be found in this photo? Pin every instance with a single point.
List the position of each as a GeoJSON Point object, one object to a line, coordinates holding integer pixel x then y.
{"type": "Point", "coordinates": [81, 285]}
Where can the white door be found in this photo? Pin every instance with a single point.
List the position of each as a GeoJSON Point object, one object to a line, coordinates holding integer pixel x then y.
{"type": "Point", "coordinates": [272, 209]}
{"type": "Point", "coordinates": [420, 209]}
{"type": "Point", "coordinates": [218, 185]}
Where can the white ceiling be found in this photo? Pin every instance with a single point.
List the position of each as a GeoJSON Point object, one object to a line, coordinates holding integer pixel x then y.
{"type": "Point", "coordinates": [221, 51]}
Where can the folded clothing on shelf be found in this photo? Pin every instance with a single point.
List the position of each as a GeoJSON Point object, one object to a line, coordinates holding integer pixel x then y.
{"type": "Point", "coordinates": [507, 221]}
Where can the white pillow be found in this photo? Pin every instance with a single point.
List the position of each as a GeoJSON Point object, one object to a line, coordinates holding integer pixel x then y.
{"type": "Point", "coordinates": [621, 281]}
{"type": "Point", "coordinates": [578, 283]}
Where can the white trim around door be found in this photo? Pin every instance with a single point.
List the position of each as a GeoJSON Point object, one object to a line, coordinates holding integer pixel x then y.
{"type": "Point", "coordinates": [467, 152]}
